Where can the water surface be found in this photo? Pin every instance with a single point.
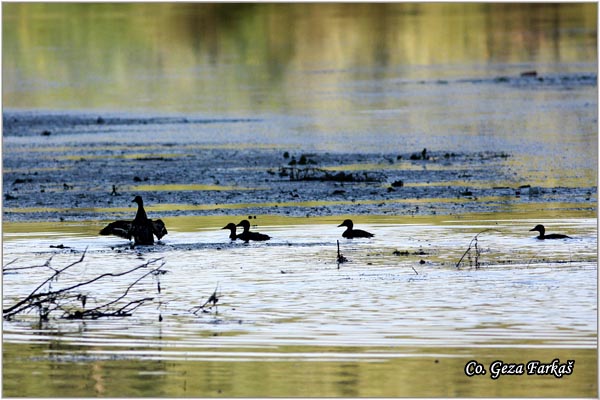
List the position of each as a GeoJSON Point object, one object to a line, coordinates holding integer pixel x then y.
{"type": "Point", "coordinates": [286, 301]}
{"type": "Point", "coordinates": [195, 107]}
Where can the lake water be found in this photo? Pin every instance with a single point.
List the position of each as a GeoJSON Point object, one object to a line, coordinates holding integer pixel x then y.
{"type": "Point", "coordinates": [286, 307]}
{"type": "Point", "coordinates": [199, 101]}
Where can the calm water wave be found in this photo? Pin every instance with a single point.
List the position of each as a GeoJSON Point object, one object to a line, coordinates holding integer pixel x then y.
{"type": "Point", "coordinates": [289, 292]}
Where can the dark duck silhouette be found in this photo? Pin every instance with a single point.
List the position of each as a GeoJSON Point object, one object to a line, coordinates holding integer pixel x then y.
{"type": "Point", "coordinates": [141, 229]}
{"type": "Point", "coordinates": [351, 233]}
{"type": "Point", "coordinates": [231, 226]}
{"type": "Point", "coordinates": [246, 235]}
{"type": "Point", "coordinates": [542, 231]}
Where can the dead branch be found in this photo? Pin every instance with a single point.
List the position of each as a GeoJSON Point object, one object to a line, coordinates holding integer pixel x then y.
{"type": "Point", "coordinates": [208, 304]}
{"type": "Point", "coordinates": [32, 297]}
{"type": "Point", "coordinates": [124, 311]}
{"type": "Point", "coordinates": [6, 270]}
{"type": "Point", "coordinates": [8, 263]}
{"type": "Point", "coordinates": [96, 312]}
{"type": "Point", "coordinates": [340, 257]}
{"type": "Point", "coordinates": [53, 300]}
{"type": "Point", "coordinates": [474, 245]}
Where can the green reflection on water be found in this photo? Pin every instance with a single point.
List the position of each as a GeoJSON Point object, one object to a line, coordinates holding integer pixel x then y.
{"type": "Point", "coordinates": [32, 370]}
{"type": "Point", "coordinates": [172, 56]}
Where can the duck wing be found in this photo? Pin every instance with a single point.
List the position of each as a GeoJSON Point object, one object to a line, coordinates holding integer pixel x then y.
{"type": "Point", "coordinates": [557, 236]}
{"type": "Point", "coordinates": [142, 232]}
{"type": "Point", "coordinates": [258, 236]}
{"type": "Point", "coordinates": [359, 233]}
{"type": "Point", "coordinates": [118, 228]}
{"type": "Point", "coordinates": [248, 236]}
{"type": "Point", "coordinates": [158, 228]}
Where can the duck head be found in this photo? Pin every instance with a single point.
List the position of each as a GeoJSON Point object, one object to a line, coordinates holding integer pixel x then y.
{"type": "Point", "coordinates": [231, 226]}
{"type": "Point", "coordinates": [347, 223]}
{"type": "Point", "coordinates": [540, 228]}
{"type": "Point", "coordinates": [138, 200]}
{"type": "Point", "coordinates": [245, 224]}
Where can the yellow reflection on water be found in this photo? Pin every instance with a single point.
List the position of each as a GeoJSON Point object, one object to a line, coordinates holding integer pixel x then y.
{"type": "Point", "coordinates": [193, 223]}
{"type": "Point", "coordinates": [205, 207]}
{"type": "Point", "coordinates": [557, 207]}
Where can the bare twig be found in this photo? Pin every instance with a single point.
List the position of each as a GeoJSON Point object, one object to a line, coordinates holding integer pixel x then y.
{"type": "Point", "coordinates": [33, 296]}
{"type": "Point", "coordinates": [49, 301]}
{"type": "Point", "coordinates": [340, 257]}
{"type": "Point", "coordinates": [473, 243]}
{"type": "Point", "coordinates": [95, 312]}
{"type": "Point", "coordinates": [44, 265]}
{"type": "Point", "coordinates": [124, 311]}
{"type": "Point", "coordinates": [210, 303]}
{"type": "Point", "coordinates": [8, 263]}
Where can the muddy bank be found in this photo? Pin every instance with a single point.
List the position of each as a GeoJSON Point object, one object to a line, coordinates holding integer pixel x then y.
{"type": "Point", "coordinates": [65, 173]}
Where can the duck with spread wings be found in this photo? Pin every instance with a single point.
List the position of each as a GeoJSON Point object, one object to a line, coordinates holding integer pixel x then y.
{"type": "Point", "coordinates": [141, 229]}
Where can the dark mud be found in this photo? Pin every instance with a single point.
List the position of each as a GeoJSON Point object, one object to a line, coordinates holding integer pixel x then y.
{"type": "Point", "coordinates": [529, 80]}
{"type": "Point", "coordinates": [62, 180]}
{"type": "Point", "coordinates": [48, 123]}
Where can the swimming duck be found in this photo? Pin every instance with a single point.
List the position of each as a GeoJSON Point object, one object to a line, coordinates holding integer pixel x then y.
{"type": "Point", "coordinates": [141, 228]}
{"type": "Point", "coordinates": [350, 233]}
{"type": "Point", "coordinates": [246, 235]}
{"type": "Point", "coordinates": [231, 226]}
{"type": "Point", "coordinates": [540, 228]}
